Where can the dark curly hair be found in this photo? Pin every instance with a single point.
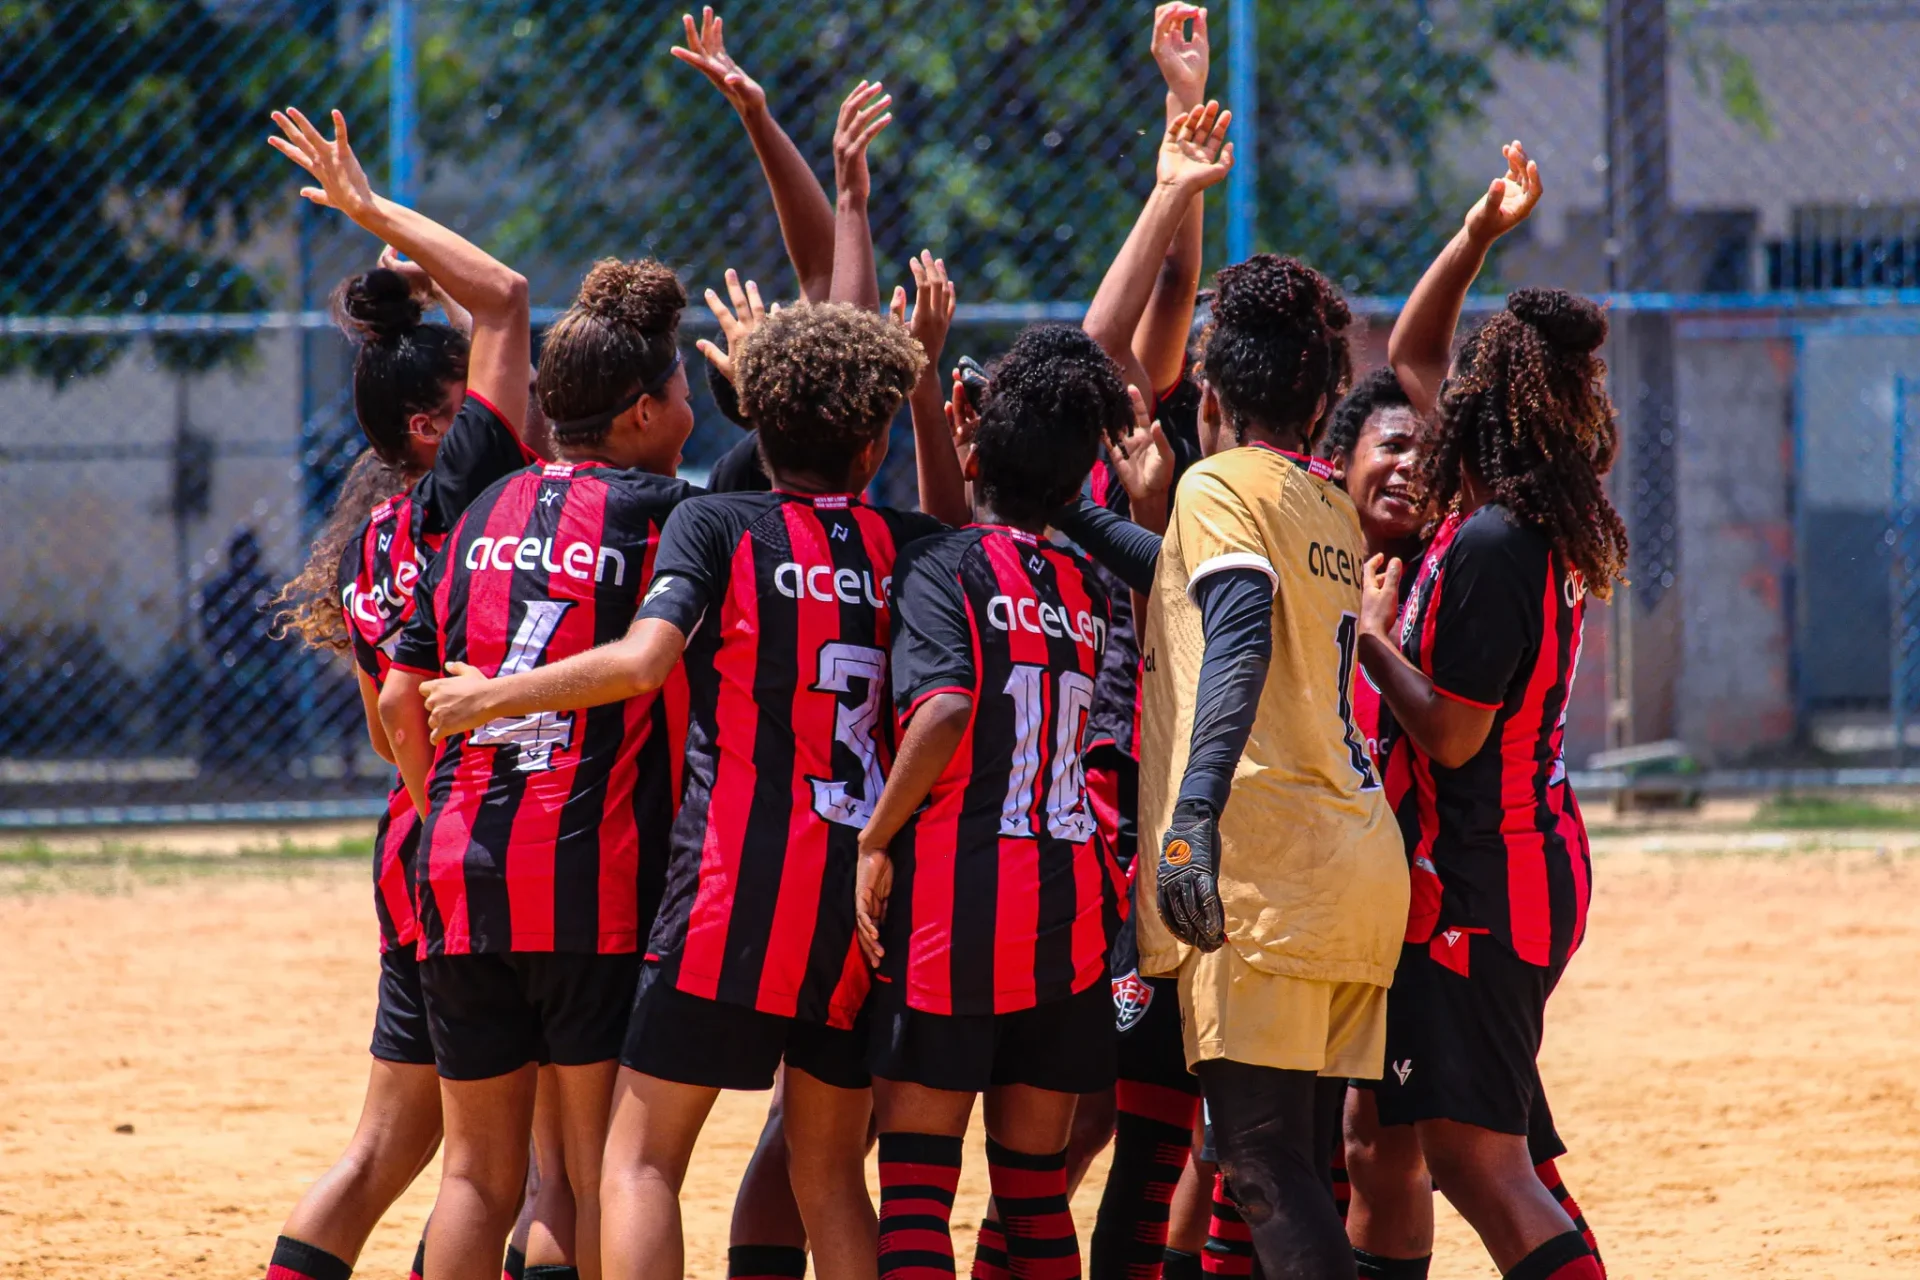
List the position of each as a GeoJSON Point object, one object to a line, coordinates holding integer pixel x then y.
{"type": "Point", "coordinates": [822, 381]}
{"type": "Point", "coordinates": [1277, 347]}
{"type": "Point", "coordinates": [1055, 395]}
{"type": "Point", "coordinates": [401, 364]}
{"type": "Point", "coordinates": [310, 605]}
{"type": "Point", "coordinates": [1378, 390]}
{"type": "Point", "coordinates": [1526, 412]}
{"type": "Point", "coordinates": [618, 341]}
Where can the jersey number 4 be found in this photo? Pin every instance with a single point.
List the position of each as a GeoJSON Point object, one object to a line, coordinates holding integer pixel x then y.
{"type": "Point", "coordinates": [1068, 815]}
{"type": "Point", "coordinates": [1349, 640]}
{"type": "Point", "coordinates": [541, 733]}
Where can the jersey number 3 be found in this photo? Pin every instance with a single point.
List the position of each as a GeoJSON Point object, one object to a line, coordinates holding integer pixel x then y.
{"type": "Point", "coordinates": [1349, 638]}
{"type": "Point", "coordinates": [856, 728]}
{"type": "Point", "coordinates": [541, 733]}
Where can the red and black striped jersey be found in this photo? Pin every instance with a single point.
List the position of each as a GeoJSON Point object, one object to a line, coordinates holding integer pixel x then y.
{"type": "Point", "coordinates": [1494, 620]}
{"type": "Point", "coordinates": [546, 832]}
{"type": "Point", "coordinates": [1001, 890]}
{"type": "Point", "coordinates": [784, 599]}
{"type": "Point", "coordinates": [379, 567]}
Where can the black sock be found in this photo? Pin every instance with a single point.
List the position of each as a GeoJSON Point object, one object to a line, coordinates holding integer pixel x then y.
{"type": "Point", "coordinates": [1178, 1264]}
{"type": "Point", "coordinates": [296, 1260]}
{"type": "Point", "coordinates": [551, 1271]}
{"type": "Point", "coordinates": [1152, 1141]}
{"type": "Point", "coordinates": [1565, 1257]}
{"type": "Point", "coordinates": [419, 1258]}
{"type": "Point", "coordinates": [514, 1270]}
{"type": "Point", "coordinates": [1374, 1267]}
{"type": "Point", "coordinates": [766, 1262]}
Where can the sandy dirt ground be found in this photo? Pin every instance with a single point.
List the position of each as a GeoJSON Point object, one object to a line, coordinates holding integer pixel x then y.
{"type": "Point", "coordinates": [1732, 1059]}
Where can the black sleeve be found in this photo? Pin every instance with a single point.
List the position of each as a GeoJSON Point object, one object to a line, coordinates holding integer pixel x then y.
{"type": "Point", "coordinates": [346, 578]}
{"type": "Point", "coordinates": [932, 635]}
{"type": "Point", "coordinates": [691, 569]}
{"type": "Point", "coordinates": [739, 469]}
{"type": "Point", "coordinates": [1127, 550]}
{"type": "Point", "coordinates": [479, 449]}
{"type": "Point", "coordinates": [1236, 618]}
{"type": "Point", "coordinates": [1491, 608]}
{"type": "Point", "coordinates": [911, 526]}
{"type": "Point", "coordinates": [417, 647]}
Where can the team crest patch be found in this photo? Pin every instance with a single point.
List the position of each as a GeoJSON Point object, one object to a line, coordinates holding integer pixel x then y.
{"type": "Point", "coordinates": [1132, 995]}
{"type": "Point", "coordinates": [1179, 853]}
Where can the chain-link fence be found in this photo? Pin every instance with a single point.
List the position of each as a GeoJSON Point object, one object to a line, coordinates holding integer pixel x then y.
{"type": "Point", "coordinates": [1740, 177]}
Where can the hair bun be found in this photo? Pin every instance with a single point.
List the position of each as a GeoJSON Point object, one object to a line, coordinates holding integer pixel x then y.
{"type": "Point", "coordinates": [377, 306]}
{"type": "Point", "coordinates": [1269, 291]}
{"type": "Point", "coordinates": [1566, 320]}
{"type": "Point", "coordinates": [643, 294]}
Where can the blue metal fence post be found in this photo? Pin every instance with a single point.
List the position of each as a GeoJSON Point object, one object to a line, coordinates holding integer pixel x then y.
{"type": "Point", "coordinates": [402, 102]}
{"type": "Point", "coordinates": [1243, 99]}
{"type": "Point", "coordinates": [1902, 570]}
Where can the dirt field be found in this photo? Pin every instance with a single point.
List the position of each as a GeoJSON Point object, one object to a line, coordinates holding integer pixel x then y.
{"type": "Point", "coordinates": [1732, 1059]}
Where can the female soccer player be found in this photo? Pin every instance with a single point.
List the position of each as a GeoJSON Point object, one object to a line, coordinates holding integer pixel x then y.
{"type": "Point", "coordinates": [780, 604]}
{"type": "Point", "coordinates": [425, 395]}
{"type": "Point", "coordinates": [993, 900]}
{"type": "Point", "coordinates": [1474, 675]}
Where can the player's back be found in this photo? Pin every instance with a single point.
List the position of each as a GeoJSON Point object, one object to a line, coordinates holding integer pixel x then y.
{"type": "Point", "coordinates": [540, 827]}
{"type": "Point", "coordinates": [789, 738]}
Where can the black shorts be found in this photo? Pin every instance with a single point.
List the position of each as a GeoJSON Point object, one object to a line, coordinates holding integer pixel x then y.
{"type": "Point", "coordinates": [1462, 1045]}
{"type": "Point", "coordinates": [400, 1032]}
{"type": "Point", "coordinates": [1063, 1045]}
{"type": "Point", "coordinates": [1146, 1015]}
{"type": "Point", "coordinates": [693, 1040]}
{"type": "Point", "coordinates": [493, 1014]}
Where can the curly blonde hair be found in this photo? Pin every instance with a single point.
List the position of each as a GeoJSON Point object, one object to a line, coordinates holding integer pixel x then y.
{"type": "Point", "coordinates": [822, 381]}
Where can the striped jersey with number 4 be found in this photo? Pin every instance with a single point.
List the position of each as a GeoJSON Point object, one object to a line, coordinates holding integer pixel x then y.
{"type": "Point", "coordinates": [1001, 894]}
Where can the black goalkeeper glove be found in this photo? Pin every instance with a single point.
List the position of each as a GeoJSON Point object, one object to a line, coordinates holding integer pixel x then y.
{"type": "Point", "coordinates": [1189, 886]}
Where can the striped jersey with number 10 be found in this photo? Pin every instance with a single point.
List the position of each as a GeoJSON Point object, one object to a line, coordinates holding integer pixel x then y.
{"type": "Point", "coordinates": [785, 601]}
{"type": "Point", "coordinates": [1001, 891]}
{"type": "Point", "coordinates": [546, 832]}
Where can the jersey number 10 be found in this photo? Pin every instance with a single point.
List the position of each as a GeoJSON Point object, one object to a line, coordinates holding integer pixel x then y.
{"type": "Point", "coordinates": [1068, 814]}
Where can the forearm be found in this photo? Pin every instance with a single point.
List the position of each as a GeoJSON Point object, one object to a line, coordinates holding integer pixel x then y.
{"type": "Point", "coordinates": [1447, 731]}
{"type": "Point", "coordinates": [474, 279]}
{"type": "Point", "coordinates": [1237, 624]}
{"type": "Point", "coordinates": [1420, 348]}
{"type": "Point", "coordinates": [799, 202]}
{"type": "Point", "coordinates": [626, 668]}
{"type": "Point", "coordinates": [1128, 551]}
{"type": "Point", "coordinates": [1160, 341]}
{"type": "Point", "coordinates": [1116, 309]}
{"type": "Point", "coordinates": [933, 735]}
{"type": "Point", "coordinates": [943, 488]}
{"type": "Point", "coordinates": [854, 279]}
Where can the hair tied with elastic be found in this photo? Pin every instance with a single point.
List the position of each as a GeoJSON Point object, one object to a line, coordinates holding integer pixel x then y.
{"type": "Point", "coordinates": [1566, 320]}
{"type": "Point", "coordinates": [377, 306]}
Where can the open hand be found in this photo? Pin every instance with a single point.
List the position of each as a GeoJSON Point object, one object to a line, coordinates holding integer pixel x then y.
{"type": "Point", "coordinates": [933, 305]}
{"type": "Point", "coordinates": [862, 116]}
{"type": "Point", "coordinates": [1142, 460]}
{"type": "Point", "coordinates": [457, 702]}
{"type": "Point", "coordinates": [736, 323]}
{"type": "Point", "coordinates": [706, 52]}
{"type": "Point", "coordinates": [1183, 59]}
{"type": "Point", "coordinates": [1195, 153]}
{"type": "Point", "coordinates": [962, 419]}
{"type": "Point", "coordinates": [1380, 599]}
{"type": "Point", "coordinates": [331, 162]}
{"type": "Point", "coordinates": [872, 885]}
{"type": "Point", "coordinates": [1510, 197]}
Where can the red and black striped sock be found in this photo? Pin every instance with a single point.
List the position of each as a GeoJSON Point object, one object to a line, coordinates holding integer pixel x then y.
{"type": "Point", "coordinates": [766, 1262]}
{"type": "Point", "coordinates": [419, 1257]}
{"type": "Point", "coordinates": [1229, 1250]}
{"type": "Point", "coordinates": [296, 1260]}
{"type": "Point", "coordinates": [1178, 1264]}
{"type": "Point", "coordinates": [1549, 1174]}
{"type": "Point", "coordinates": [990, 1252]}
{"type": "Point", "coordinates": [1374, 1267]}
{"type": "Point", "coordinates": [1031, 1192]}
{"type": "Point", "coordinates": [1564, 1257]}
{"type": "Point", "coordinates": [514, 1269]}
{"type": "Point", "coordinates": [1152, 1141]}
{"type": "Point", "coordinates": [1342, 1189]}
{"type": "Point", "coordinates": [919, 1173]}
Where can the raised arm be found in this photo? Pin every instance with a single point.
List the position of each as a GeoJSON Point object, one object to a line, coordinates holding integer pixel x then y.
{"type": "Point", "coordinates": [1420, 348]}
{"type": "Point", "coordinates": [943, 487]}
{"type": "Point", "coordinates": [494, 294]}
{"type": "Point", "coordinates": [862, 116]}
{"type": "Point", "coordinates": [1194, 155]}
{"type": "Point", "coordinates": [799, 201]}
{"type": "Point", "coordinates": [1160, 340]}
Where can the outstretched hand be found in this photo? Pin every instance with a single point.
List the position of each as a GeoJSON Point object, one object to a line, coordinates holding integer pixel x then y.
{"type": "Point", "coordinates": [1510, 197]}
{"type": "Point", "coordinates": [1183, 59]}
{"type": "Point", "coordinates": [706, 52]}
{"type": "Point", "coordinates": [1195, 153]}
{"type": "Point", "coordinates": [862, 116]}
{"type": "Point", "coordinates": [1142, 460]}
{"type": "Point", "coordinates": [933, 304]}
{"type": "Point", "coordinates": [735, 323]}
{"type": "Point", "coordinates": [331, 162]}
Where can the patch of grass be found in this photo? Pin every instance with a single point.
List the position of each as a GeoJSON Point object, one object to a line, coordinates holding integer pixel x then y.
{"type": "Point", "coordinates": [1806, 812]}
{"type": "Point", "coordinates": [110, 867]}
